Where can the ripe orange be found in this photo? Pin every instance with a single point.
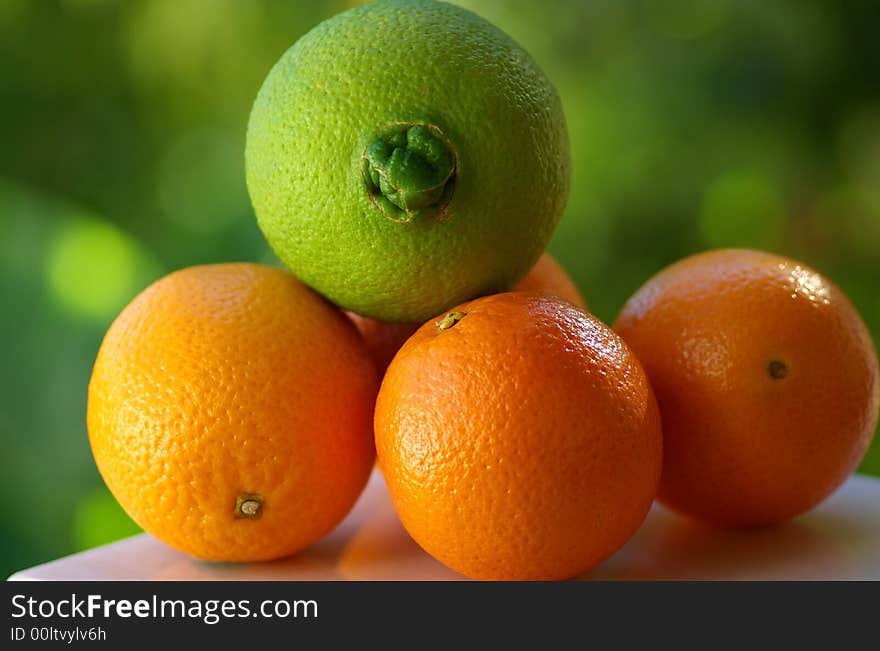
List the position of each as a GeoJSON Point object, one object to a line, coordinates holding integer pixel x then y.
{"type": "Point", "coordinates": [519, 438]}
{"type": "Point", "coordinates": [230, 412]}
{"type": "Point", "coordinates": [382, 338]}
{"type": "Point", "coordinates": [548, 277]}
{"type": "Point", "coordinates": [767, 382]}
{"type": "Point", "coordinates": [385, 338]}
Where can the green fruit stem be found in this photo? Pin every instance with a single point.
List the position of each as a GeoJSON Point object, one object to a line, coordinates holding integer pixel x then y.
{"type": "Point", "coordinates": [450, 320]}
{"type": "Point", "coordinates": [409, 170]}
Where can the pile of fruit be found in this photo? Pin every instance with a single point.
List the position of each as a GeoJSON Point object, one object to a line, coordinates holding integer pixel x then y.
{"type": "Point", "coordinates": [408, 162]}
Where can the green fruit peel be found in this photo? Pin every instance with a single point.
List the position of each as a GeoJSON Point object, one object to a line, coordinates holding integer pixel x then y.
{"type": "Point", "coordinates": [406, 156]}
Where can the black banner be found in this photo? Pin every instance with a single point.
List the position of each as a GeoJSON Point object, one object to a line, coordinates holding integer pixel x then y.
{"type": "Point", "coordinates": [226, 614]}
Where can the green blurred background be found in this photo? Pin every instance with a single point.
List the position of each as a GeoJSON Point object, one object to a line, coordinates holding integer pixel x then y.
{"type": "Point", "coordinates": [694, 124]}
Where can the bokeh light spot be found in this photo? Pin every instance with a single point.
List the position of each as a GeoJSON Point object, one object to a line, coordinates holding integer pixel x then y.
{"type": "Point", "coordinates": [94, 269]}
{"type": "Point", "coordinates": [742, 209]}
{"type": "Point", "coordinates": [194, 47]}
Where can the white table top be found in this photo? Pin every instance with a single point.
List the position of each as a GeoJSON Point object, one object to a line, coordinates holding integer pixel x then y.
{"type": "Point", "coordinates": [840, 539]}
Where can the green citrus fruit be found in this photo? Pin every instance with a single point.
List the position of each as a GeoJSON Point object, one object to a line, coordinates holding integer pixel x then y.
{"type": "Point", "coordinates": [405, 156]}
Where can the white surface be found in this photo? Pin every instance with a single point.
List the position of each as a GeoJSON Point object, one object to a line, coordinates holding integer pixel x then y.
{"type": "Point", "coordinates": [838, 540]}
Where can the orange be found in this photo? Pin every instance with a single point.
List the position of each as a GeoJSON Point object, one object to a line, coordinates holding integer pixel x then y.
{"type": "Point", "coordinates": [767, 382]}
{"type": "Point", "coordinates": [519, 438]}
{"type": "Point", "coordinates": [230, 412]}
{"type": "Point", "coordinates": [548, 277]}
{"type": "Point", "coordinates": [385, 338]}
